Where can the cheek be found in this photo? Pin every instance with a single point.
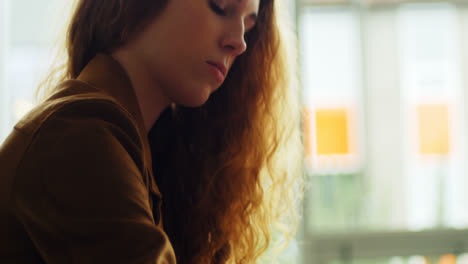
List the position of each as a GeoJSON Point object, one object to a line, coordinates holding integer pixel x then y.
{"type": "Point", "coordinates": [195, 28]}
{"type": "Point", "coordinates": [191, 41]}
{"type": "Point", "coordinates": [182, 43]}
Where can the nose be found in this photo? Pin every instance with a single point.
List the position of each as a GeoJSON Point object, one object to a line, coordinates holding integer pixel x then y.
{"type": "Point", "coordinates": [233, 41]}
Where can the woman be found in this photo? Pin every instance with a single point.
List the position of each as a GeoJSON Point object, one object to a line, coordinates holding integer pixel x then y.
{"type": "Point", "coordinates": [209, 79]}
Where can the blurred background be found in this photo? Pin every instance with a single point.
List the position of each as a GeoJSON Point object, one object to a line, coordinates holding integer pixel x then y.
{"type": "Point", "coordinates": [384, 95]}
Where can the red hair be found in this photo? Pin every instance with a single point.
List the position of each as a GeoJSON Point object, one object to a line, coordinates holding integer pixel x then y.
{"type": "Point", "coordinates": [225, 165]}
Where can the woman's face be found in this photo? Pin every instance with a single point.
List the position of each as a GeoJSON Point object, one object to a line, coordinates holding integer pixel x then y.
{"type": "Point", "coordinates": [189, 48]}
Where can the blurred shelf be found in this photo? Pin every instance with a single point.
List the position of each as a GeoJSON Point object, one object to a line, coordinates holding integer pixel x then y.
{"type": "Point", "coordinates": [323, 248]}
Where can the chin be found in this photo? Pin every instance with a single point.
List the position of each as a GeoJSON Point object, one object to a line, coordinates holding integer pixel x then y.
{"type": "Point", "coordinates": [198, 99]}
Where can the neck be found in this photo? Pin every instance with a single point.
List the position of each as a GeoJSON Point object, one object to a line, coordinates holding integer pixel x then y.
{"type": "Point", "coordinates": [150, 96]}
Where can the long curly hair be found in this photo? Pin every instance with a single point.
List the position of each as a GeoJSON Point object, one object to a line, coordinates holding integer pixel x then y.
{"type": "Point", "coordinates": [230, 171]}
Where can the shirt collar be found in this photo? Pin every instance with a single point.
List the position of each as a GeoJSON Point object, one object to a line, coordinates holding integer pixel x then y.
{"type": "Point", "coordinates": [107, 75]}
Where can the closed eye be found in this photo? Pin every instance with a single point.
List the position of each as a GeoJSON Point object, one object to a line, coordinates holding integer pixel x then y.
{"type": "Point", "coordinates": [217, 9]}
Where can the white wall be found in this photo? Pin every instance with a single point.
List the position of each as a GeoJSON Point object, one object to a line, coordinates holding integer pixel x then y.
{"type": "Point", "coordinates": [4, 42]}
{"type": "Point", "coordinates": [384, 129]}
{"type": "Point", "coordinates": [28, 31]}
{"type": "Point", "coordinates": [36, 22]}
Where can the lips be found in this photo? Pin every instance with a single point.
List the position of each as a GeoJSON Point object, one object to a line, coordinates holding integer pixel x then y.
{"type": "Point", "coordinates": [219, 66]}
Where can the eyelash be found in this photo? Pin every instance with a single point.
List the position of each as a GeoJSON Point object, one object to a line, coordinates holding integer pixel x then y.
{"type": "Point", "coordinates": [217, 9]}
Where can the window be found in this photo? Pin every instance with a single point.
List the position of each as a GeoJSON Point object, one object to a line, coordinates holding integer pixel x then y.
{"type": "Point", "coordinates": [27, 30]}
{"type": "Point", "coordinates": [432, 97]}
{"type": "Point", "coordinates": [384, 99]}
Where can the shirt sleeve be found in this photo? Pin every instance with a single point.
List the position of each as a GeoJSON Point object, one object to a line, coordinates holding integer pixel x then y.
{"type": "Point", "coordinates": [81, 197]}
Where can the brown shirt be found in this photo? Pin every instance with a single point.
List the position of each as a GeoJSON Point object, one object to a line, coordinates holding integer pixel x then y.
{"type": "Point", "coordinates": [76, 183]}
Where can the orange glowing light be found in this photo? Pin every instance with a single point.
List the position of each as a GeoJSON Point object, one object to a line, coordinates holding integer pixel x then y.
{"type": "Point", "coordinates": [434, 136]}
{"type": "Point", "coordinates": [307, 131]}
{"type": "Point", "coordinates": [448, 259]}
{"type": "Point", "coordinates": [331, 131]}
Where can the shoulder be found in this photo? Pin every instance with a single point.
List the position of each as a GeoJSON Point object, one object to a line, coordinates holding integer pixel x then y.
{"type": "Point", "coordinates": [92, 116]}
{"type": "Point", "coordinates": [95, 125]}
{"type": "Point", "coordinates": [78, 103]}
{"type": "Point", "coordinates": [86, 147]}
{"type": "Point", "coordinates": [80, 124]}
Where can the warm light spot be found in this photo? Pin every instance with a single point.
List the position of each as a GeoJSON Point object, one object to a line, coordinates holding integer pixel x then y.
{"type": "Point", "coordinates": [21, 108]}
{"type": "Point", "coordinates": [448, 259]}
{"type": "Point", "coordinates": [434, 134]}
{"type": "Point", "coordinates": [331, 131]}
{"type": "Point", "coordinates": [307, 132]}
